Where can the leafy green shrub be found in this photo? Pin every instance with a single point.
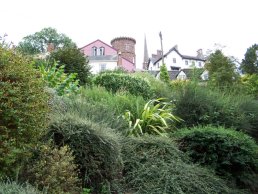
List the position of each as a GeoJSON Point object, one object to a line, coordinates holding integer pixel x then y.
{"type": "Point", "coordinates": [11, 187]}
{"type": "Point", "coordinates": [54, 77]}
{"type": "Point", "coordinates": [96, 149]}
{"type": "Point", "coordinates": [23, 110]}
{"type": "Point", "coordinates": [159, 88]}
{"type": "Point", "coordinates": [227, 151]}
{"type": "Point", "coordinates": [250, 82]}
{"type": "Point", "coordinates": [198, 105]}
{"type": "Point", "coordinates": [155, 165]}
{"type": "Point", "coordinates": [155, 118]}
{"type": "Point", "coordinates": [115, 82]}
{"type": "Point", "coordinates": [55, 170]}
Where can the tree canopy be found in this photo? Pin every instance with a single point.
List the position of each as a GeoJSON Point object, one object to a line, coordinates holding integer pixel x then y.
{"type": "Point", "coordinates": [221, 69]}
{"type": "Point", "coordinates": [37, 43]}
{"type": "Point", "coordinates": [250, 62]}
{"type": "Point", "coordinates": [74, 62]}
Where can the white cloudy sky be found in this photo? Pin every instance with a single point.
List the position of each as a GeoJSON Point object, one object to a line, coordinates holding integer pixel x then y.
{"type": "Point", "coordinates": [191, 24]}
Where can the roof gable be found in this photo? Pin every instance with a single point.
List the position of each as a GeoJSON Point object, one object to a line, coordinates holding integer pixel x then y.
{"type": "Point", "coordinates": [174, 48]}
{"type": "Point", "coordinates": [100, 42]}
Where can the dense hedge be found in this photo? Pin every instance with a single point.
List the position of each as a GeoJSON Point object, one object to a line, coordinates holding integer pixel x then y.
{"type": "Point", "coordinates": [124, 82]}
{"type": "Point", "coordinates": [154, 165]}
{"type": "Point", "coordinates": [198, 105]}
{"type": "Point", "coordinates": [96, 150]}
{"type": "Point", "coordinates": [23, 108]}
{"type": "Point", "coordinates": [229, 152]}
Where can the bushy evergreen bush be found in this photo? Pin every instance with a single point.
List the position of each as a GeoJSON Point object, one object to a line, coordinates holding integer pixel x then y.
{"type": "Point", "coordinates": [96, 150]}
{"type": "Point", "coordinates": [155, 165]}
{"type": "Point", "coordinates": [23, 109]}
{"type": "Point", "coordinates": [229, 152]}
{"type": "Point", "coordinates": [199, 105]}
{"type": "Point", "coordinates": [115, 82]}
{"type": "Point", "coordinates": [159, 88]}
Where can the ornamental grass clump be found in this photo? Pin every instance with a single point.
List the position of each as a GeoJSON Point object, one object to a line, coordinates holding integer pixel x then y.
{"type": "Point", "coordinates": [155, 118]}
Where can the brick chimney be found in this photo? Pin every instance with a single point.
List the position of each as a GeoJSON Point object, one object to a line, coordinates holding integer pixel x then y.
{"type": "Point", "coordinates": [159, 53]}
{"type": "Point", "coordinates": [199, 53]}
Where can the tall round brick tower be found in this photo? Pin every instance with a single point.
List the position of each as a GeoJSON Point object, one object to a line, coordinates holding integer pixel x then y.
{"type": "Point", "coordinates": [126, 47]}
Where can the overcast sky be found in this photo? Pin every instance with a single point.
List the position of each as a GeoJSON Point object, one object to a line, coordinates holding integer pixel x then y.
{"type": "Point", "coordinates": [191, 24]}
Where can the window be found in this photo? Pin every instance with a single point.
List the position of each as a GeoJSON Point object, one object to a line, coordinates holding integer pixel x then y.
{"type": "Point", "coordinates": [102, 51]}
{"type": "Point", "coordinates": [158, 65]}
{"type": "Point", "coordinates": [94, 51]}
{"type": "Point", "coordinates": [103, 67]}
{"type": "Point", "coordinates": [174, 60]}
{"type": "Point", "coordinates": [200, 64]}
{"type": "Point", "coordinates": [186, 62]}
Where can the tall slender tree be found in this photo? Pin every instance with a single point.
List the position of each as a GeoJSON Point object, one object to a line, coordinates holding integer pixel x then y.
{"type": "Point", "coordinates": [249, 64]}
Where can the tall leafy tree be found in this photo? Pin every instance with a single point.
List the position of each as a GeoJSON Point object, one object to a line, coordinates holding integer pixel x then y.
{"type": "Point", "coordinates": [37, 43]}
{"type": "Point", "coordinates": [222, 71]}
{"type": "Point", "coordinates": [250, 62]}
{"type": "Point", "coordinates": [74, 62]}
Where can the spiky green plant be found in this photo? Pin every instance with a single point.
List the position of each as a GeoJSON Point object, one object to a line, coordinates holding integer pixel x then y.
{"type": "Point", "coordinates": [155, 118]}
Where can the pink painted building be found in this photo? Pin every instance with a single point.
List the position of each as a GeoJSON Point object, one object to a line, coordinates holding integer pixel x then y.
{"type": "Point", "coordinates": [105, 57]}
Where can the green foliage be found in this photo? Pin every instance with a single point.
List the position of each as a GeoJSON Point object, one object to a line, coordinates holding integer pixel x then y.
{"type": "Point", "coordinates": [37, 42]}
{"type": "Point", "coordinates": [124, 82]}
{"type": "Point", "coordinates": [227, 151]}
{"type": "Point", "coordinates": [250, 82]}
{"type": "Point", "coordinates": [74, 62]}
{"type": "Point", "coordinates": [164, 74]}
{"type": "Point", "coordinates": [221, 70]}
{"type": "Point", "coordinates": [96, 149]}
{"type": "Point", "coordinates": [155, 118]}
{"type": "Point", "coordinates": [154, 165]}
{"type": "Point", "coordinates": [55, 78]}
{"type": "Point", "coordinates": [159, 88]}
{"type": "Point", "coordinates": [55, 170]}
{"type": "Point", "coordinates": [116, 103]}
{"type": "Point", "coordinates": [198, 105]}
{"type": "Point", "coordinates": [11, 187]}
{"type": "Point", "coordinates": [249, 64]}
{"type": "Point", "coordinates": [23, 110]}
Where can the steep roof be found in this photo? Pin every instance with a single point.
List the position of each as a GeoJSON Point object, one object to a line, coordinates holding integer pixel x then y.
{"type": "Point", "coordinates": [101, 42]}
{"type": "Point", "coordinates": [174, 48]}
{"type": "Point", "coordinates": [190, 71]}
{"type": "Point", "coordinates": [103, 58]}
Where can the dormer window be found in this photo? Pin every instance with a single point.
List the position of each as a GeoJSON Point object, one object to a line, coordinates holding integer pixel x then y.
{"type": "Point", "coordinates": [174, 60]}
{"type": "Point", "coordinates": [101, 51]}
{"type": "Point", "coordinates": [94, 51]}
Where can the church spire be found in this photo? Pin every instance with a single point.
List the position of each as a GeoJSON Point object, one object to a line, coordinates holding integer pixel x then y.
{"type": "Point", "coordinates": [146, 56]}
